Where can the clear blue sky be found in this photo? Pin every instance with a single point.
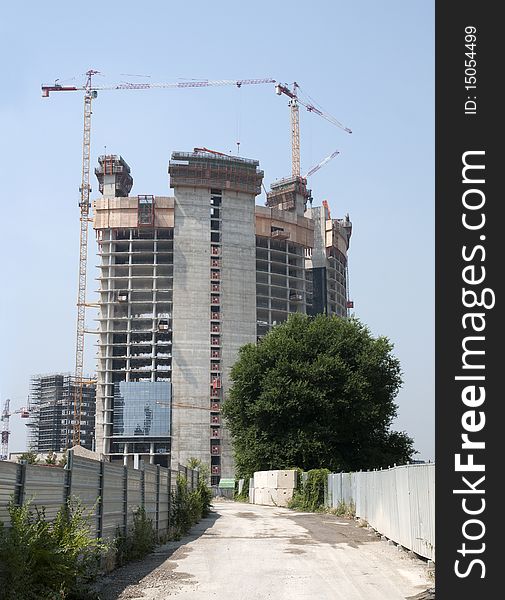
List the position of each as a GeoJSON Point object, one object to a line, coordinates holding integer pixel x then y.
{"type": "Point", "coordinates": [369, 63]}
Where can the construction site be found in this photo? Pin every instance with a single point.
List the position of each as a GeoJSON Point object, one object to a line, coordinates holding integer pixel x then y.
{"type": "Point", "coordinates": [184, 281]}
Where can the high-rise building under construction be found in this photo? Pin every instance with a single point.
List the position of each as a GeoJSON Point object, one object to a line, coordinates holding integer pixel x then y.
{"type": "Point", "coordinates": [185, 281]}
{"type": "Point", "coordinates": [53, 412]}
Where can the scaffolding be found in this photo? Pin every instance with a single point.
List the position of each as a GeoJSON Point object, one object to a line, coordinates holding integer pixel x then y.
{"type": "Point", "coordinates": [51, 422]}
{"type": "Point", "coordinates": [208, 170]}
{"type": "Point", "coordinates": [284, 192]}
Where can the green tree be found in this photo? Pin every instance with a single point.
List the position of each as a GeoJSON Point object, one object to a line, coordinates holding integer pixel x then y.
{"type": "Point", "coordinates": [316, 392]}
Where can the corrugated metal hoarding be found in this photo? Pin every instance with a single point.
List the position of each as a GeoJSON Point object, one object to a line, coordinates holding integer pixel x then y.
{"type": "Point", "coordinates": [398, 502]}
{"type": "Point", "coordinates": [109, 492]}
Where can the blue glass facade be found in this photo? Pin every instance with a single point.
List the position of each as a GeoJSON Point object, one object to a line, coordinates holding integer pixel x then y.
{"type": "Point", "coordinates": [142, 409]}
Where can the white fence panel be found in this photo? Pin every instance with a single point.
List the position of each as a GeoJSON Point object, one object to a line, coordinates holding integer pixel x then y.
{"type": "Point", "coordinates": [398, 502]}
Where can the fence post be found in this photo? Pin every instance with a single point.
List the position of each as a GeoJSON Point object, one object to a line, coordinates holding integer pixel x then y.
{"type": "Point", "coordinates": [169, 482]}
{"type": "Point", "coordinates": [157, 499]}
{"type": "Point", "coordinates": [142, 484]}
{"type": "Point", "coordinates": [125, 499]}
{"type": "Point", "coordinates": [20, 483]}
{"type": "Point", "coordinates": [68, 476]}
{"type": "Point", "coordinates": [101, 482]}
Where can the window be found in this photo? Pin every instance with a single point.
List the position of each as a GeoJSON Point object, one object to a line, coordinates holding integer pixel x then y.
{"type": "Point", "coordinates": [142, 409]}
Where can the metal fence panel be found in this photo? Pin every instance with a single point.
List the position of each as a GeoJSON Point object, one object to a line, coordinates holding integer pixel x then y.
{"type": "Point", "coordinates": [150, 478]}
{"type": "Point", "coordinates": [403, 531]}
{"type": "Point", "coordinates": [8, 479]}
{"type": "Point", "coordinates": [398, 502]}
{"type": "Point", "coordinates": [422, 505]}
{"type": "Point", "coordinates": [164, 501]}
{"type": "Point", "coordinates": [133, 494]}
{"type": "Point", "coordinates": [45, 487]}
{"type": "Point", "coordinates": [109, 492]}
{"type": "Point", "coordinates": [112, 500]}
{"type": "Point", "coordinates": [85, 485]}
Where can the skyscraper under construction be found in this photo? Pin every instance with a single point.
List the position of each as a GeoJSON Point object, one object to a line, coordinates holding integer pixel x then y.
{"type": "Point", "coordinates": [185, 281]}
{"type": "Point", "coordinates": [52, 413]}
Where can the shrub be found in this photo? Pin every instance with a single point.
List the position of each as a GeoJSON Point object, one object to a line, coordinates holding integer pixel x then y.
{"type": "Point", "coordinates": [30, 457]}
{"type": "Point", "coordinates": [188, 507]}
{"type": "Point", "coordinates": [139, 542]}
{"type": "Point", "coordinates": [310, 495]}
{"type": "Point", "coordinates": [51, 458]}
{"type": "Point", "coordinates": [180, 508]}
{"type": "Point", "coordinates": [244, 495]}
{"type": "Point", "coordinates": [344, 510]}
{"type": "Point", "coordinates": [44, 560]}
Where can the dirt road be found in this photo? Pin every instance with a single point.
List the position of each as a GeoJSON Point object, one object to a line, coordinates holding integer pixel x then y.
{"type": "Point", "coordinates": [249, 552]}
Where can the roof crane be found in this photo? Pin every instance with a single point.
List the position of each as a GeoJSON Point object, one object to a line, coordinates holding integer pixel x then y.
{"type": "Point", "coordinates": [6, 414]}
{"type": "Point", "coordinates": [197, 150]}
{"type": "Point", "coordinates": [294, 101]}
{"type": "Point", "coordinates": [321, 164]}
{"type": "Point", "coordinates": [90, 93]}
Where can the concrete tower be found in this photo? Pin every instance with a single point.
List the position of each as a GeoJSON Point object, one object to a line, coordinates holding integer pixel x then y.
{"type": "Point", "coordinates": [214, 295]}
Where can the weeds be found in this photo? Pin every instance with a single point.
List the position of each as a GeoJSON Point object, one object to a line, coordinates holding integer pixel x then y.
{"type": "Point", "coordinates": [42, 560]}
{"type": "Point", "coordinates": [187, 508]}
{"type": "Point", "coordinates": [344, 510]}
{"type": "Point", "coordinates": [139, 542]}
{"type": "Point", "coordinates": [309, 496]}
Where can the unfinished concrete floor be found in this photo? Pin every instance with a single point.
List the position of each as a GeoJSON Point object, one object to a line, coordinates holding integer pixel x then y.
{"type": "Point", "coordinates": [249, 552]}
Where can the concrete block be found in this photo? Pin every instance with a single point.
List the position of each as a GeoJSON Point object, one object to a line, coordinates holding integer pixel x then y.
{"type": "Point", "coordinates": [272, 479]}
{"type": "Point", "coordinates": [261, 479]}
{"type": "Point", "coordinates": [267, 497]}
{"type": "Point", "coordinates": [285, 479]}
{"type": "Point", "coordinates": [258, 495]}
{"type": "Point", "coordinates": [281, 496]}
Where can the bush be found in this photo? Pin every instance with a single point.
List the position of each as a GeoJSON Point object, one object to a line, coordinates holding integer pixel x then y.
{"type": "Point", "coordinates": [51, 458]}
{"type": "Point", "coordinates": [30, 457]}
{"type": "Point", "coordinates": [344, 510]}
{"type": "Point", "coordinates": [187, 508]}
{"type": "Point", "coordinates": [137, 543]}
{"type": "Point", "coordinates": [310, 495]}
{"type": "Point", "coordinates": [244, 495]}
{"type": "Point", "coordinates": [43, 560]}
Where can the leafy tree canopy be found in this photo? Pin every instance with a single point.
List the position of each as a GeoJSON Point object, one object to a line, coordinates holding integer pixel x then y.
{"type": "Point", "coordinates": [316, 392]}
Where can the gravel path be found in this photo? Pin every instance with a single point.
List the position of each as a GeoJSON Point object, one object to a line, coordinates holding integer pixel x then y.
{"type": "Point", "coordinates": [254, 552]}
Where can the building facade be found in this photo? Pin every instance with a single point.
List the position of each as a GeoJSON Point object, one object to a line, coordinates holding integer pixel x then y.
{"type": "Point", "coordinates": [53, 413]}
{"type": "Point", "coordinates": [185, 281]}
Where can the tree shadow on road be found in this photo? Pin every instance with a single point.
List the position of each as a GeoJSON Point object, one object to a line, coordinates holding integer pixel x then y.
{"type": "Point", "coordinates": [128, 578]}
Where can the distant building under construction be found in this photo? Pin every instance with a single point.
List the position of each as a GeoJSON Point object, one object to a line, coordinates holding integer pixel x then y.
{"type": "Point", "coordinates": [52, 414]}
{"type": "Point", "coordinates": [185, 281]}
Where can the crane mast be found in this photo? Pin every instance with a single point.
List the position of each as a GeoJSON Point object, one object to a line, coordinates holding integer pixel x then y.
{"type": "Point", "coordinates": [5, 417]}
{"type": "Point", "coordinates": [294, 102]}
{"type": "Point", "coordinates": [5, 430]}
{"type": "Point", "coordinates": [84, 205]}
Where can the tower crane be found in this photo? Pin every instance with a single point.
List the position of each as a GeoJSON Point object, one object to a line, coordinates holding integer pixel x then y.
{"type": "Point", "coordinates": [90, 93]}
{"type": "Point", "coordinates": [294, 101]}
{"type": "Point", "coordinates": [321, 164]}
{"type": "Point", "coordinates": [6, 414]}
